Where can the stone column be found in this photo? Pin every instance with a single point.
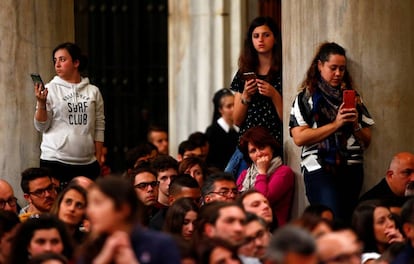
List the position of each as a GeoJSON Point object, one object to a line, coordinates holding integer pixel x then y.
{"type": "Point", "coordinates": [378, 37]}
{"type": "Point", "coordinates": [29, 30]}
{"type": "Point", "coordinates": [204, 42]}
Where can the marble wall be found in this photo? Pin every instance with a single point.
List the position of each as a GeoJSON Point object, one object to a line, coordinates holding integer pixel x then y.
{"type": "Point", "coordinates": [29, 30]}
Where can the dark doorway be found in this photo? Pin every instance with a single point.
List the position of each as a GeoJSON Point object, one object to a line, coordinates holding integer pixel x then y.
{"type": "Point", "coordinates": [126, 43]}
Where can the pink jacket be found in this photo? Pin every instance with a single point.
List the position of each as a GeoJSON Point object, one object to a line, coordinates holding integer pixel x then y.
{"type": "Point", "coordinates": [278, 189]}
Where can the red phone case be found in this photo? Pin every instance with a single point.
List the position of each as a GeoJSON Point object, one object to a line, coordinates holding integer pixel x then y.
{"type": "Point", "coordinates": [349, 98]}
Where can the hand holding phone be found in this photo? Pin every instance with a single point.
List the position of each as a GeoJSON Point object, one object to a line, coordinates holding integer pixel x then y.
{"type": "Point", "coordinates": [249, 75]}
{"type": "Point", "coordinates": [37, 80]}
{"type": "Point", "coordinates": [349, 98]}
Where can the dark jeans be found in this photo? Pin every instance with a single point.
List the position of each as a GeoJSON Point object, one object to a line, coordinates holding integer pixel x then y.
{"type": "Point", "coordinates": [337, 187]}
{"type": "Point", "coordinates": [66, 172]}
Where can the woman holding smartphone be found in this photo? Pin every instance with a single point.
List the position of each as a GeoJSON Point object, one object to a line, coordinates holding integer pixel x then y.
{"type": "Point", "coordinates": [258, 85]}
{"type": "Point", "coordinates": [70, 115]}
{"type": "Point", "coordinates": [332, 137]}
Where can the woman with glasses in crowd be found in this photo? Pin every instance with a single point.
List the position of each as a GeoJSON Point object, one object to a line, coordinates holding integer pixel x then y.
{"type": "Point", "coordinates": [266, 172]}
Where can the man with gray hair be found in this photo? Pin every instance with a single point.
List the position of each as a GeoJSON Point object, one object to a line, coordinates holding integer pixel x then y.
{"type": "Point", "coordinates": [291, 245]}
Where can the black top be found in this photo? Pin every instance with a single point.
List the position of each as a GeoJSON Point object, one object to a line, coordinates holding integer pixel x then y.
{"type": "Point", "coordinates": [222, 145]}
{"type": "Point", "coordinates": [383, 192]}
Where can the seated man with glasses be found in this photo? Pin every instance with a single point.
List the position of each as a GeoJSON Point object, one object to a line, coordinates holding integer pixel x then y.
{"type": "Point", "coordinates": [219, 186]}
{"type": "Point", "coordinates": [256, 239]}
{"type": "Point", "coordinates": [7, 200]}
{"type": "Point", "coordinates": [144, 180]}
{"type": "Point", "coordinates": [40, 191]}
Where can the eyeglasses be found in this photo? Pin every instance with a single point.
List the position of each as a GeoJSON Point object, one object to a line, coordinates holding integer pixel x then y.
{"type": "Point", "coordinates": [258, 235]}
{"type": "Point", "coordinates": [42, 192]}
{"type": "Point", "coordinates": [226, 192]}
{"type": "Point", "coordinates": [144, 185]}
{"type": "Point", "coordinates": [11, 202]}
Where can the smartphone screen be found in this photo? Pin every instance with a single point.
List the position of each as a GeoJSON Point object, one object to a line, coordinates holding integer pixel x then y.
{"type": "Point", "coordinates": [249, 75]}
{"type": "Point", "coordinates": [349, 98]}
{"type": "Point", "coordinates": [37, 79]}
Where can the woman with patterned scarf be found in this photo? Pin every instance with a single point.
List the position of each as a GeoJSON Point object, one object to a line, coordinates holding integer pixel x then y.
{"type": "Point", "coordinates": [332, 137]}
{"type": "Point", "coordinates": [266, 172]}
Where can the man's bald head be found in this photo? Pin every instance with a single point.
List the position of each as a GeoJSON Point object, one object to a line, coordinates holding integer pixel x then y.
{"type": "Point", "coordinates": [7, 195]}
{"type": "Point", "coordinates": [400, 172]}
{"type": "Point", "coordinates": [82, 181]}
{"type": "Point", "coordinates": [399, 158]}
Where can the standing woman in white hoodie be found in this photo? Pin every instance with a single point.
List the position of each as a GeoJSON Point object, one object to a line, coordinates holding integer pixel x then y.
{"type": "Point", "coordinates": [70, 115]}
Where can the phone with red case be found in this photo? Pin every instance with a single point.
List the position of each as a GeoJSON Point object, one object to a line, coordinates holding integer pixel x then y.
{"type": "Point", "coordinates": [349, 98]}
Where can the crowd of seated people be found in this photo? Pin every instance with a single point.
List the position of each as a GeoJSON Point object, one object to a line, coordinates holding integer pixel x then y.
{"type": "Point", "coordinates": [125, 217]}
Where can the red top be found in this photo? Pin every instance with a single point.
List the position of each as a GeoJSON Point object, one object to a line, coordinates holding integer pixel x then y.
{"type": "Point", "coordinates": [278, 189]}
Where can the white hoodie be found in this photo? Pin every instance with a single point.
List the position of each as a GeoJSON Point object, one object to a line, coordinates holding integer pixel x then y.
{"type": "Point", "coordinates": [75, 120]}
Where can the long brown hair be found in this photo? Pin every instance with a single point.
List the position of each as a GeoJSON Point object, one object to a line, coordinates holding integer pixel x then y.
{"type": "Point", "coordinates": [249, 60]}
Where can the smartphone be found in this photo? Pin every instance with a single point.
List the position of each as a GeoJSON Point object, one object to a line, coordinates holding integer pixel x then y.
{"type": "Point", "coordinates": [349, 98]}
{"type": "Point", "coordinates": [37, 79]}
{"type": "Point", "coordinates": [249, 75]}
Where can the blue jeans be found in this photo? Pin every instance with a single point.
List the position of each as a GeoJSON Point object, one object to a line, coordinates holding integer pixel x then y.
{"type": "Point", "coordinates": [236, 164]}
{"type": "Point", "coordinates": [337, 187]}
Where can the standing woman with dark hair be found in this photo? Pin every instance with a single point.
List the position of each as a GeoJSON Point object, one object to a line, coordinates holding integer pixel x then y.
{"type": "Point", "coordinates": [113, 211]}
{"type": "Point", "coordinates": [258, 98]}
{"type": "Point", "coordinates": [333, 137]}
{"type": "Point", "coordinates": [70, 115]}
{"type": "Point", "coordinates": [222, 134]}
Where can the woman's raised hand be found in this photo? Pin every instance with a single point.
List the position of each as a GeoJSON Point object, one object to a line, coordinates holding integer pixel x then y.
{"type": "Point", "coordinates": [41, 95]}
{"type": "Point", "coordinates": [250, 88]}
{"type": "Point", "coordinates": [265, 88]}
{"type": "Point", "coordinates": [263, 164]}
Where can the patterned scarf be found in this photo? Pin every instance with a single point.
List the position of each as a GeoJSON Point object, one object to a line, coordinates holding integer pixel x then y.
{"type": "Point", "coordinates": [252, 173]}
{"type": "Point", "coordinates": [327, 100]}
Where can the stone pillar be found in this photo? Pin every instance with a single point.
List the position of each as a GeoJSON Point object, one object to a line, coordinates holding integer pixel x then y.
{"type": "Point", "coordinates": [377, 35]}
{"type": "Point", "coordinates": [29, 30]}
{"type": "Point", "coordinates": [204, 42]}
